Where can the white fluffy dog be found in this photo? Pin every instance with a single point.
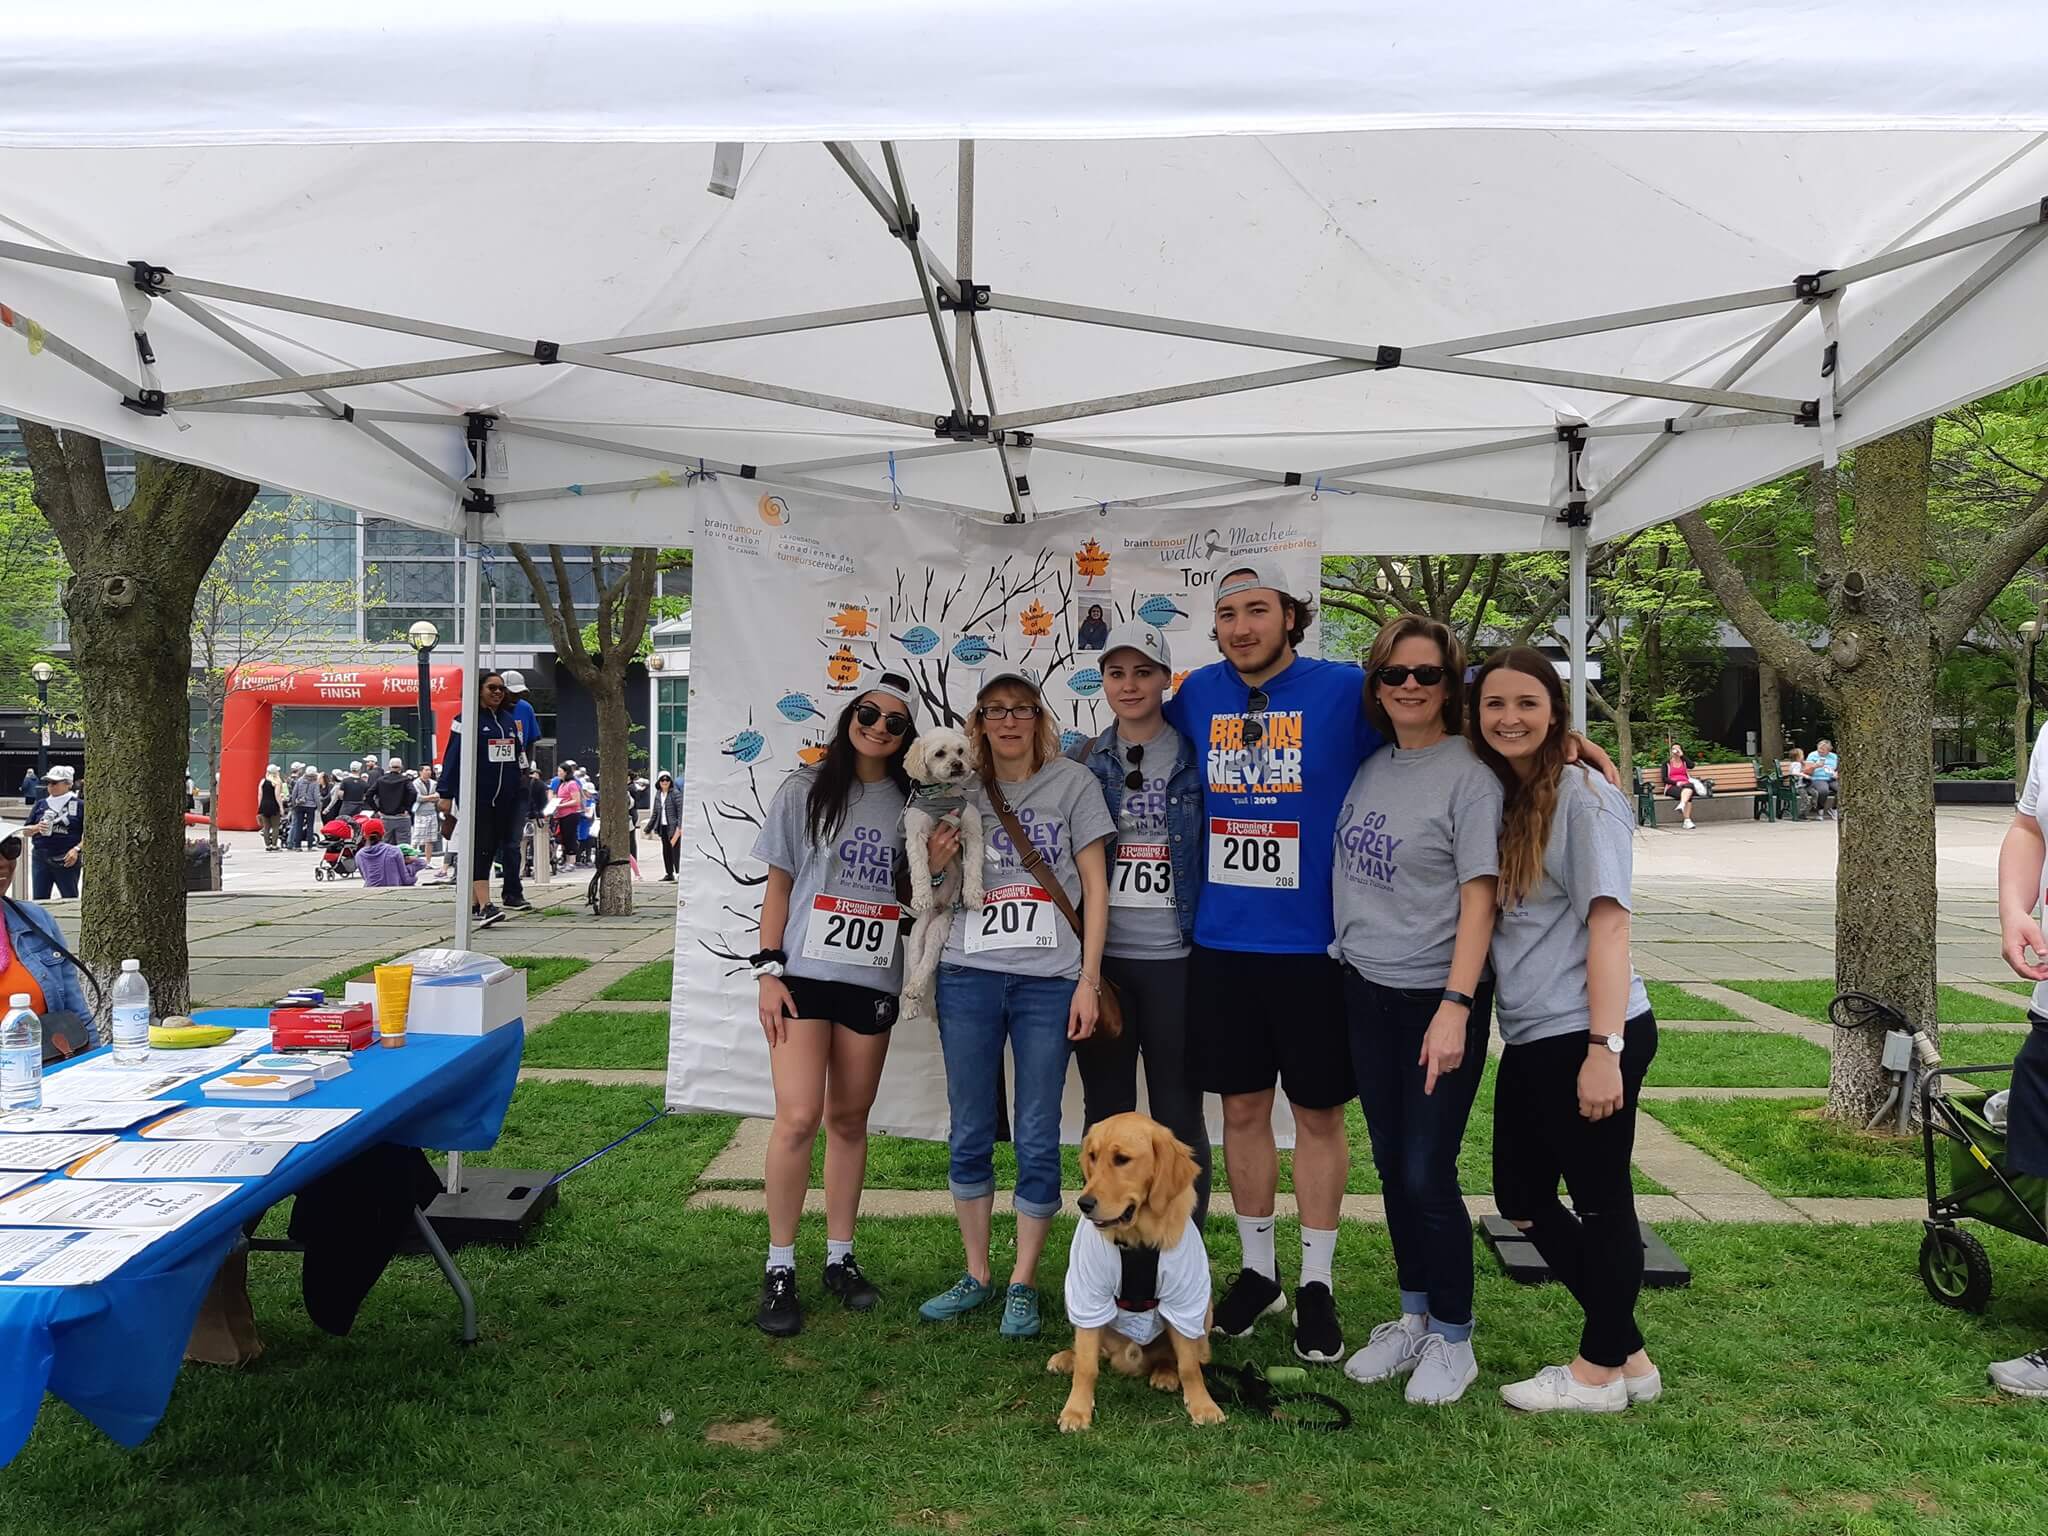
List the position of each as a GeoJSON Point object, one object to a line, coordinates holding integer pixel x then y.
{"type": "Point", "coordinates": [941, 765]}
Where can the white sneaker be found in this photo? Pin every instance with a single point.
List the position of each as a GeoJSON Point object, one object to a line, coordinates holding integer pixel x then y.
{"type": "Point", "coordinates": [1443, 1370]}
{"type": "Point", "coordinates": [1554, 1389]}
{"type": "Point", "coordinates": [1688, 823]}
{"type": "Point", "coordinates": [1391, 1350]}
{"type": "Point", "coordinates": [2024, 1377]}
{"type": "Point", "coordinates": [1644, 1389]}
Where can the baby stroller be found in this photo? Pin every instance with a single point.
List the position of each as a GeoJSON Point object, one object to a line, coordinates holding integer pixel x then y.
{"type": "Point", "coordinates": [339, 840]}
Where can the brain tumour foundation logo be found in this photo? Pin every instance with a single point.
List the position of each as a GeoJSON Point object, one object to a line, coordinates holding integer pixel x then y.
{"type": "Point", "coordinates": [773, 509]}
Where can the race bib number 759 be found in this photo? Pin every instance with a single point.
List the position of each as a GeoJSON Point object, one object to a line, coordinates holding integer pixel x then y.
{"type": "Point", "coordinates": [1264, 854]}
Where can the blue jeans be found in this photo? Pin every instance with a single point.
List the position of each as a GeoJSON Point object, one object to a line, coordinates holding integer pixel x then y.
{"type": "Point", "coordinates": [978, 1011]}
{"type": "Point", "coordinates": [1415, 1138]}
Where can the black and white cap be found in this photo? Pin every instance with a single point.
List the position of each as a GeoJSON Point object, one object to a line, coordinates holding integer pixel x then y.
{"type": "Point", "coordinates": [1145, 639]}
{"type": "Point", "coordinates": [1250, 577]}
{"type": "Point", "coordinates": [897, 686]}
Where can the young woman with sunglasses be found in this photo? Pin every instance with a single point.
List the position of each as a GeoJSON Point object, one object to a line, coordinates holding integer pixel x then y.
{"type": "Point", "coordinates": [1014, 972]}
{"type": "Point", "coordinates": [1576, 1028]}
{"type": "Point", "coordinates": [1413, 891]}
{"type": "Point", "coordinates": [828, 972]}
{"type": "Point", "coordinates": [1151, 779]}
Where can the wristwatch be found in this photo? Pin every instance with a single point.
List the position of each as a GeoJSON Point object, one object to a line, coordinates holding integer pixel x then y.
{"type": "Point", "coordinates": [1462, 998]}
{"type": "Point", "coordinates": [1613, 1042]}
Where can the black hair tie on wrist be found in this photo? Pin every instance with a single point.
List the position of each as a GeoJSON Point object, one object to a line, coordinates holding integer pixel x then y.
{"type": "Point", "coordinates": [762, 957]}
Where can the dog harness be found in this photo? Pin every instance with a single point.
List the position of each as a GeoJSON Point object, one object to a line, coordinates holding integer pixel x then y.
{"type": "Point", "coordinates": [939, 799]}
{"type": "Point", "coordinates": [1138, 1290]}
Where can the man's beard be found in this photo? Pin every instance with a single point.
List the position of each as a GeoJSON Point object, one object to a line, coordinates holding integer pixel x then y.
{"type": "Point", "coordinates": [1246, 668]}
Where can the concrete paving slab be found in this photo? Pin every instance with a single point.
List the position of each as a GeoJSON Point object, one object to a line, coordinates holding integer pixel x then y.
{"type": "Point", "coordinates": [1860, 1212]}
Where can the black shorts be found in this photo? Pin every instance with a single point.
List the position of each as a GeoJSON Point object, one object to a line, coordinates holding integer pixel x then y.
{"type": "Point", "coordinates": [1254, 1018]}
{"type": "Point", "coordinates": [861, 1009]}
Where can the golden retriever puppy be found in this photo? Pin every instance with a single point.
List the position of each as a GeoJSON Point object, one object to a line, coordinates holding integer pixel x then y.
{"type": "Point", "coordinates": [1137, 1272]}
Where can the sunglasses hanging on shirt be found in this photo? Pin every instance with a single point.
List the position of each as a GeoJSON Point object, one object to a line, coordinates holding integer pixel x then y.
{"type": "Point", "coordinates": [1254, 728]}
{"type": "Point", "coordinates": [1134, 756]}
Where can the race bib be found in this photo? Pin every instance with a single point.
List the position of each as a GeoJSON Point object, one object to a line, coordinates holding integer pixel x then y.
{"type": "Point", "coordinates": [849, 932]}
{"type": "Point", "coordinates": [1265, 854]}
{"type": "Point", "coordinates": [1142, 876]}
{"type": "Point", "coordinates": [1013, 917]}
{"type": "Point", "coordinates": [502, 749]}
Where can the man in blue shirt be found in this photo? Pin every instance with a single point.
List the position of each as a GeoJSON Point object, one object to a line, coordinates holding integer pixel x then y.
{"type": "Point", "coordinates": [1821, 766]}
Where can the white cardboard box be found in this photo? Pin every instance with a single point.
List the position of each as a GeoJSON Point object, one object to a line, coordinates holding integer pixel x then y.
{"type": "Point", "coordinates": [456, 1010]}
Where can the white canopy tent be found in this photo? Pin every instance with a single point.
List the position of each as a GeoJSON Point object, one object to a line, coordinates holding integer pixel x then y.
{"type": "Point", "coordinates": [1506, 278]}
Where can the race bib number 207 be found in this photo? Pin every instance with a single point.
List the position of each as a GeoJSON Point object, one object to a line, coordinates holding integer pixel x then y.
{"type": "Point", "coordinates": [1263, 854]}
{"type": "Point", "coordinates": [1013, 917]}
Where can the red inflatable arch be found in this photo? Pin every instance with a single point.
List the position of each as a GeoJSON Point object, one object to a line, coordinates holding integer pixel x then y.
{"type": "Point", "coordinates": [254, 691]}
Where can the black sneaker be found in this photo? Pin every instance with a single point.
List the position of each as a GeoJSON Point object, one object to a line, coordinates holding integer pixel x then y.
{"type": "Point", "coordinates": [853, 1288]}
{"type": "Point", "coordinates": [521, 905]}
{"type": "Point", "coordinates": [1317, 1336]}
{"type": "Point", "coordinates": [779, 1314]}
{"type": "Point", "coordinates": [489, 917]}
{"type": "Point", "coordinates": [1250, 1297]}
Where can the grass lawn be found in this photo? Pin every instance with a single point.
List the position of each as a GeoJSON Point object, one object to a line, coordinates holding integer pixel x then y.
{"type": "Point", "coordinates": [653, 982]}
{"type": "Point", "coordinates": [1811, 1387]}
{"type": "Point", "coordinates": [1733, 1058]}
{"type": "Point", "coordinates": [600, 1038]}
{"type": "Point", "coordinates": [1785, 1145]}
{"type": "Point", "coordinates": [1668, 1000]}
{"type": "Point", "coordinates": [542, 972]}
{"type": "Point", "coordinates": [1971, 1047]}
{"type": "Point", "coordinates": [2020, 988]}
{"type": "Point", "coordinates": [1810, 999]}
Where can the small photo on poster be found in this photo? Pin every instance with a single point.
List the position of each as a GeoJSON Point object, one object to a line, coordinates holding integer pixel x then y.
{"type": "Point", "coordinates": [850, 620]}
{"type": "Point", "coordinates": [1091, 568]}
{"type": "Point", "coordinates": [1170, 611]}
{"type": "Point", "coordinates": [1092, 622]}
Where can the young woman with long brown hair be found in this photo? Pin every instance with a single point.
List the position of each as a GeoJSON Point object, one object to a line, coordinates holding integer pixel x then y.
{"type": "Point", "coordinates": [1576, 1027]}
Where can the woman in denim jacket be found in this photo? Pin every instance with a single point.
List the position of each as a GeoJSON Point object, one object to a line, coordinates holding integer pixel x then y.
{"type": "Point", "coordinates": [1151, 779]}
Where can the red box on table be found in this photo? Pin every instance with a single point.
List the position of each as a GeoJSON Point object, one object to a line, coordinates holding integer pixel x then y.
{"type": "Point", "coordinates": [337, 1027]}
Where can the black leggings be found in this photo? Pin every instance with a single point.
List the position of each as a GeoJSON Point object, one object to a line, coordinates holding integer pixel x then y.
{"type": "Point", "coordinates": [1154, 994]}
{"type": "Point", "coordinates": [1539, 1136]}
{"type": "Point", "coordinates": [671, 852]}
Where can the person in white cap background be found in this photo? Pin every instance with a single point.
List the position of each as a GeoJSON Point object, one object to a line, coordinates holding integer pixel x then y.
{"type": "Point", "coordinates": [393, 793]}
{"type": "Point", "coordinates": [270, 801]}
{"type": "Point", "coordinates": [523, 718]}
{"type": "Point", "coordinates": [32, 952]}
{"type": "Point", "coordinates": [57, 827]}
{"type": "Point", "coordinates": [828, 973]}
{"type": "Point", "coordinates": [1151, 780]}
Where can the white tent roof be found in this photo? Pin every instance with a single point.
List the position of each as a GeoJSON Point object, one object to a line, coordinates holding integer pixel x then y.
{"type": "Point", "coordinates": [1162, 194]}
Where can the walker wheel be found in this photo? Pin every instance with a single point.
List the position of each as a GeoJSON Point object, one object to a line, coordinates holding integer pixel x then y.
{"type": "Point", "coordinates": [1955, 1269]}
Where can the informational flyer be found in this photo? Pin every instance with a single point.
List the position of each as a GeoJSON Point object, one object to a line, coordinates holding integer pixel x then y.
{"type": "Point", "coordinates": [39, 1154]}
{"type": "Point", "coordinates": [94, 1203]}
{"type": "Point", "coordinates": [102, 1082]}
{"type": "Point", "coordinates": [208, 1122]}
{"type": "Point", "coordinates": [67, 1258]}
{"type": "Point", "coordinates": [53, 1119]}
{"type": "Point", "coordinates": [182, 1160]}
{"type": "Point", "coordinates": [10, 1182]}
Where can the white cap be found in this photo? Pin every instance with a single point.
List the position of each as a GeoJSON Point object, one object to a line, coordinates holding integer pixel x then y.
{"type": "Point", "coordinates": [1007, 675]}
{"type": "Point", "coordinates": [271, 769]}
{"type": "Point", "coordinates": [1250, 577]}
{"type": "Point", "coordinates": [1145, 639]}
{"type": "Point", "coordinates": [61, 771]}
{"type": "Point", "coordinates": [18, 1000]}
{"type": "Point", "coordinates": [897, 687]}
{"type": "Point", "coordinates": [131, 965]}
{"type": "Point", "coordinates": [396, 762]}
{"type": "Point", "coordinates": [515, 682]}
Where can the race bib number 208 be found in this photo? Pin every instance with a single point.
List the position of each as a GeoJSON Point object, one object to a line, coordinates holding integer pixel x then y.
{"type": "Point", "coordinates": [1263, 854]}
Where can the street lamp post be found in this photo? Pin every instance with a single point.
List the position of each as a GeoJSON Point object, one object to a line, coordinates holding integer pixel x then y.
{"type": "Point", "coordinates": [42, 672]}
{"type": "Point", "coordinates": [424, 637]}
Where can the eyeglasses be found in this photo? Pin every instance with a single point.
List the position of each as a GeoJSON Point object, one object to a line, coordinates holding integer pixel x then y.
{"type": "Point", "coordinates": [1255, 704]}
{"type": "Point", "coordinates": [1394, 677]}
{"type": "Point", "coordinates": [1007, 711]}
{"type": "Point", "coordinates": [894, 723]}
{"type": "Point", "coordinates": [1134, 756]}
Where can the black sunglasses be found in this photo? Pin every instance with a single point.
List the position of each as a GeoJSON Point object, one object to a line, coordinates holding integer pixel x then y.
{"type": "Point", "coordinates": [1394, 677]}
{"type": "Point", "coordinates": [895, 724]}
{"type": "Point", "coordinates": [1255, 730]}
{"type": "Point", "coordinates": [1134, 756]}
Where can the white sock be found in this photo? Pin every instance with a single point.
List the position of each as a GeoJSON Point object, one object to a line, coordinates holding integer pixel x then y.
{"type": "Point", "coordinates": [782, 1257]}
{"type": "Point", "coordinates": [1318, 1249]}
{"type": "Point", "coordinates": [835, 1250]}
{"type": "Point", "coordinates": [1255, 1235]}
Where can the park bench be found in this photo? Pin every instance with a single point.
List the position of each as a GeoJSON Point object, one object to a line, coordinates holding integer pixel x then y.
{"type": "Point", "coordinates": [1739, 792]}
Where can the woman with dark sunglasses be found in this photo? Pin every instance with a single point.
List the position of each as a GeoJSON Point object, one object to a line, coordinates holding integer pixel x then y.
{"type": "Point", "coordinates": [1417, 852]}
{"type": "Point", "coordinates": [828, 971]}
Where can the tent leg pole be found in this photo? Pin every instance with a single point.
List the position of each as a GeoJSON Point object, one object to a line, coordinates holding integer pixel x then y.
{"type": "Point", "coordinates": [1579, 619]}
{"type": "Point", "coordinates": [470, 861]}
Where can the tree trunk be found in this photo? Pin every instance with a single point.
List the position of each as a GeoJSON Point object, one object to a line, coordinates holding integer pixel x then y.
{"type": "Point", "coordinates": [1770, 713]}
{"type": "Point", "coordinates": [2022, 699]}
{"type": "Point", "coordinates": [1624, 735]}
{"type": "Point", "coordinates": [1884, 662]}
{"type": "Point", "coordinates": [615, 794]}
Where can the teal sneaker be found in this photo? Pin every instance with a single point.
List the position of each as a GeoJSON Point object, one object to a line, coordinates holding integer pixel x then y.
{"type": "Point", "coordinates": [957, 1300]}
{"type": "Point", "coordinates": [1020, 1313]}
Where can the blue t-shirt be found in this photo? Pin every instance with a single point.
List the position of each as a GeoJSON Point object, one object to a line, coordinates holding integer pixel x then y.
{"type": "Point", "coordinates": [1272, 806]}
{"type": "Point", "coordinates": [1823, 766]}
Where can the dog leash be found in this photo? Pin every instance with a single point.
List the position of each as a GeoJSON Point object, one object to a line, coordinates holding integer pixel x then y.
{"type": "Point", "coordinates": [1246, 1386]}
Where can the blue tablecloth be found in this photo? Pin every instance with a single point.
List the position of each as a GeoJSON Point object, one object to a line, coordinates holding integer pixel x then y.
{"type": "Point", "coordinates": [112, 1350]}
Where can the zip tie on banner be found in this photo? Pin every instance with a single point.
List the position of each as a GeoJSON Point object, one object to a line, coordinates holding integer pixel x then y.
{"type": "Point", "coordinates": [692, 476]}
{"type": "Point", "coordinates": [1830, 307]}
{"type": "Point", "coordinates": [895, 490]}
{"type": "Point", "coordinates": [1316, 490]}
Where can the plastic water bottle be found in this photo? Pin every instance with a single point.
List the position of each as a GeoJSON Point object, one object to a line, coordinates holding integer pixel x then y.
{"type": "Point", "coordinates": [131, 1014]}
{"type": "Point", "coordinates": [21, 1056]}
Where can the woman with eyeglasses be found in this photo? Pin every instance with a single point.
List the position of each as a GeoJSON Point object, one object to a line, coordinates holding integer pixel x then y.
{"type": "Point", "coordinates": [32, 960]}
{"type": "Point", "coordinates": [492, 823]}
{"type": "Point", "coordinates": [828, 971]}
{"type": "Point", "coordinates": [1014, 971]}
{"type": "Point", "coordinates": [1151, 781]}
{"type": "Point", "coordinates": [1412, 888]}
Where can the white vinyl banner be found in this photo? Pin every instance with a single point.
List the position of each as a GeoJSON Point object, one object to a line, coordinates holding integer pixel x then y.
{"type": "Point", "coordinates": [802, 599]}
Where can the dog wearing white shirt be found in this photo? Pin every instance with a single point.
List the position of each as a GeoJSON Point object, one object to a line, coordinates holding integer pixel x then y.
{"type": "Point", "coordinates": [1137, 1274]}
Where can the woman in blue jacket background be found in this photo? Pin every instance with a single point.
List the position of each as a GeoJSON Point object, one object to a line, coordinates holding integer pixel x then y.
{"type": "Point", "coordinates": [33, 943]}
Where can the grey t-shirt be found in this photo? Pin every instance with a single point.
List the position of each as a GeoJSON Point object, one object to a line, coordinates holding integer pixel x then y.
{"type": "Point", "coordinates": [1143, 921]}
{"type": "Point", "coordinates": [1415, 826]}
{"type": "Point", "coordinates": [1539, 947]}
{"type": "Point", "coordinates": [842, 901]}
{"type": "Point", "coordinates": [1062, 812]}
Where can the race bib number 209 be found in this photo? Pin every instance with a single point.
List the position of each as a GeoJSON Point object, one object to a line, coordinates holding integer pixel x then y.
{"type": "Point", "coordinates": [849, 932]}
{"type": "Point", "coordinates": [1262, 854]}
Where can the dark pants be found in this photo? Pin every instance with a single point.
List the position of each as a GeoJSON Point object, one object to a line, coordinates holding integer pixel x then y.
{"type": "Point", "coordinates": [53, 874]}
{"type": "Point", "coordinates": [1539, 1136]}
{"type": "Point", "coordinates": [1415, 1139]}
{"type": "Point", "coordinates": [565, 836]}
{"type": "Point", "coordinates": [493, 838]}
{"type": "Point", "coordinates": [671, 853]}
{"type": "Point", "coordinates": [301, 834]}
{"type": "Point", "coordinates": [1155, 998]}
